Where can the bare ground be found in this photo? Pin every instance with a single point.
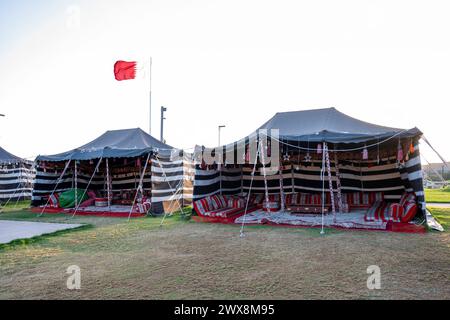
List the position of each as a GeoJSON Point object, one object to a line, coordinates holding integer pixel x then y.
{"type": "Point", "coordinates": [189, 260]}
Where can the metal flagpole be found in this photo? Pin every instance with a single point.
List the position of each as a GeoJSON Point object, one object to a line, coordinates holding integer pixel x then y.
{"type": "Point", "coordinates": [150, 98]}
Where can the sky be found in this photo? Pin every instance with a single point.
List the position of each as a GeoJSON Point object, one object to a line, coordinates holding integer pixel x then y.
{"type": "Point", "coordinates": [232, 63]}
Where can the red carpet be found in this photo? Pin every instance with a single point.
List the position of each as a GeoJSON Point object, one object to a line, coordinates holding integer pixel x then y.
{"type": "Point", "coordinates": [89, 213]}
{"type": "Point", "coordinates": [391, 226]}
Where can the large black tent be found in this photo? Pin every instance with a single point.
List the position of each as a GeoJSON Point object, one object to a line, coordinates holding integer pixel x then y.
{"type": "Point", "coordinates": [16, 177]}
{"type": "Point", "coordinates": [363, 157]}
{"type": "Point", "coordinates": [131, 159]}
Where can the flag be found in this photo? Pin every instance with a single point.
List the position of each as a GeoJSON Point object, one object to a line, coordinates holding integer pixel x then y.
{"type": "Point", "coordinates": [124, 70]}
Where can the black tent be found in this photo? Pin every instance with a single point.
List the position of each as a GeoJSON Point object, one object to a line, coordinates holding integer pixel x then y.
{"type": "Point", "coordinates": [16, 177]}
{"type": "Point", "coordinates": [124, 154]}
{"type": "Point", "coordinates": [367, 155]}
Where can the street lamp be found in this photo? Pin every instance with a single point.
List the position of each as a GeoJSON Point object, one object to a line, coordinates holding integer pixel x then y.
{"type": "Point", "coordinates": [163, 109]}
{"type": "Point", "coordinates": [220, 127]}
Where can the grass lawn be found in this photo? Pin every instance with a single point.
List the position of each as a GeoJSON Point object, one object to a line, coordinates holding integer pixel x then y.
{"type": "Point", "coordinates": [438, 195]}
{"type": "Point", "coordinates": [190, 260]}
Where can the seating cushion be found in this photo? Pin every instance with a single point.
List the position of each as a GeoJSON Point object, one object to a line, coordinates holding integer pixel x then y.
{"type": "Point", "coordinates": [409, 211]}
{"type": "Point", "coordinates": [236, 202]}
{"type": "Point", "coordinates": [53, 200]}
{"type": "Point", "coordinates": [218, 202]}
{"type": "Point", "coordinates": [202, 206]}
{"type": "Point", "coordinates": [407, 197]}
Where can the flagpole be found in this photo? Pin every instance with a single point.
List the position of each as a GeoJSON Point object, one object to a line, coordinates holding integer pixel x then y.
{"type": "Point", "coordinates": [150, 98]}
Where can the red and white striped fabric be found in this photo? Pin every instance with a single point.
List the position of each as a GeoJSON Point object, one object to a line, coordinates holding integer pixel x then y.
{"type": "Point", "coordinates": [274, 197]}
{"type": "Point", "coordinates": [53, 201]}
{"type": "Point", "coordinates": [407, 197]}
{"type": "Point", "coordinates": [396, 212]}
{"type": "Point", "coordinates": [310, 199]}
{"type": "Point", "coordinates": [292, 199]}
{"type": "Point", "coordinates": [218, 202]}
{"type": "Point", "coordinates": [143, 207]}
{"type": "Point", "coordinates": [226, 212]}
{"type": "Point", "coordinates": [409, 211]}
{"type": "Point", "coordinates": [202, 206]}
{"type": "Point", "coordinates": [236, 202]}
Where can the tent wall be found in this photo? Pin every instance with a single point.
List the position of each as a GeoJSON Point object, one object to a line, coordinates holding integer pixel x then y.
{"type": "Point", "coordinates": [412, 176]}
{"type": "Point", "coordinates": [16, 181]}
{"type": "Point", "coordinates": [46, 181]}
{"type": "Point", "coordinates": [355, 176]}
{"type": "Point", "coordinates": [171, 182]}
{"type": "Point", "coordinates": [206, 183]}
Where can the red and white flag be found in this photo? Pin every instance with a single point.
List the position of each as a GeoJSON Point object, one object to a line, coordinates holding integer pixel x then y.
{"type": "Point", "coordinates": [125, 70]}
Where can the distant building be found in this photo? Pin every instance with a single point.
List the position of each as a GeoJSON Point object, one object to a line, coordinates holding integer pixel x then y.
{"type": "Point", "coordinates": [433, 171]}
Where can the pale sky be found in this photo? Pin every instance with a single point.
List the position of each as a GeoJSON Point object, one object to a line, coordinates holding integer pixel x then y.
{"type": "Point", "coordinates": [233, 63]}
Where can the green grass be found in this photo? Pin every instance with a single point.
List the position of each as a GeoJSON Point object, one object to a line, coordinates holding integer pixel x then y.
{"type": "Point", "coordinates": [442, 215]}
{"type": "Point", "coordinates": [15, 206]}
{"type": "Point", "coordinates": [185, 259]}
{"type": "Point", "coordinates": [438, 195]}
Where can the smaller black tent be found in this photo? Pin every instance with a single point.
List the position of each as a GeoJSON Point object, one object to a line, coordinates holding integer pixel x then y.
{"type": "Point", "coordinates": [123, 154]}
{"type": "Point", "coordinates": [16, 177]}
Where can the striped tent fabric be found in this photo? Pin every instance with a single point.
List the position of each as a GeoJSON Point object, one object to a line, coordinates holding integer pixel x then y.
{"type": "Point", "coordinates": [171, 181]}
{"type": "Point", "coordinates": [412, 177]}
{"type": "Point", "coordinates": [46, 180]}
{"type": "Point", "coordinates": [16, 177]}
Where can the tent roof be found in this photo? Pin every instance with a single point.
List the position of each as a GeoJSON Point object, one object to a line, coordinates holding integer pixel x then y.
{"type": "Point", "coordinates": [5, 156]}
{"type": "Point", "coordinates": [330, 125]}
{"type": "Point", "coordinates": [123, 143]}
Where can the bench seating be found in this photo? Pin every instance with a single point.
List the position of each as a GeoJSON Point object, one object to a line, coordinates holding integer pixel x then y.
{"type": "Point", "coordinates": [403, 211]}
{"type": "Point", "coordinates": [220, 206]}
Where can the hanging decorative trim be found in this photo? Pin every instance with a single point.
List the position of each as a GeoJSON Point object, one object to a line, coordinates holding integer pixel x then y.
{"type": "Point", "coordinates": [399, 151]}
{"type": "Point", "coordinates": [365, 153]}
{"type": "Point", "coordinates": [247, 155]}
{"type": "Point", "coordinates": [411, 148]}
{"type": "Point", "coordinates": [338, 184]}
{"type": "Point", "coordinates": [283, 205]}
{"type": "Point", "coordinates": [330, 181]}
{"type": "Point", "coordinates": [308, 157]}
{"type": "Point", "coordinates": [378, 151]}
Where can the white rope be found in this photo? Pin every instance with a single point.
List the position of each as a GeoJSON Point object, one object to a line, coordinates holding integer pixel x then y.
{"type": "Point", "coordinates": [89, 183]}
{"type": "Point", "coordinates": [433, 169]}
{"type": "Point", "coordinates": [56, 186]}
{"type": "Point", "coordinates": [108, 187]}
{"type": "Point", "coordinates": [139, 187]}
{"type": "Point", "coordinates": [249, 192]}
{"type": "Point", "coordinates": [322, 175]}
{"type": "Point", "coordinates": [441, 157]}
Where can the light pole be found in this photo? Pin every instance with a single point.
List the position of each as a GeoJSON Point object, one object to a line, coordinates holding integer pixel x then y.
{"type": "Point", "coordinates": [163, 109]}
{"type": "Point", "coordinates": [220, 127]}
